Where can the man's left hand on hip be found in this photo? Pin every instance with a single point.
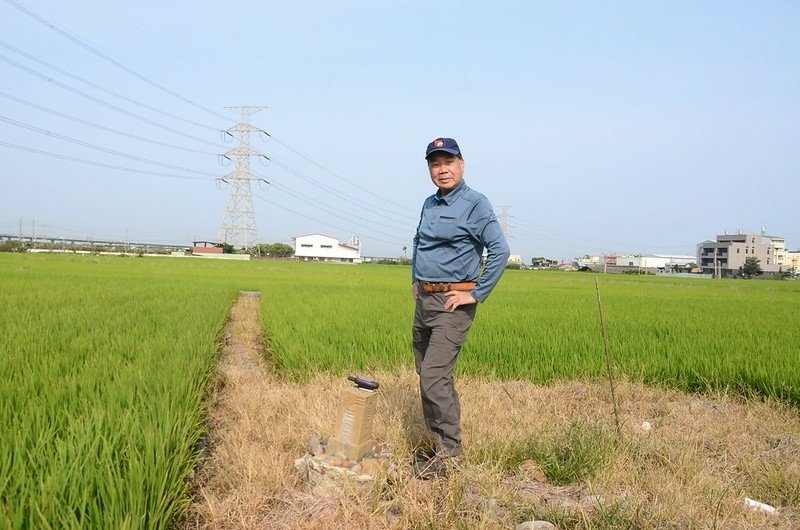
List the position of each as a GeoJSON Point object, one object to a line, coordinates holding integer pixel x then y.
{"type": "Point", "coordinates": [458, 298]}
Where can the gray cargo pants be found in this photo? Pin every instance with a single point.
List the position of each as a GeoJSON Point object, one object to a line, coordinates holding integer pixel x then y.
{"type": "Point", "coordinates": [438, 336]}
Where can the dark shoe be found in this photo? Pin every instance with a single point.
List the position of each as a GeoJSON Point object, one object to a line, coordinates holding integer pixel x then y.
{"type": "Point", "coordinates": [421, 463]}
{"type": "Point", "coordinates": [436, 467]}
{"type": "Point", "coordinates": [423, 455]}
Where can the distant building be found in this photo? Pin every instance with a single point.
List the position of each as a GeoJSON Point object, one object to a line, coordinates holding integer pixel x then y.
{"type": "Point", "coordinates": [543, 263]}
{"type": "Point", "coordinates": [206, 247]}
{"type": "Point", "coordinates": [724, 257]}
{"type": "Point", "coordinates": [779, 245]}
{"type": "Point", "coordinates": [213, 249]}
{"type": "Point", "coordinates": [792, 261]}
{"type": "Point", "coordinates": [317, 247]}
{"type": "Point", "coordinates": [515, 259]}
{"type": "Point", "coordinates": [652, 263]}
{"type": "Point", "coordinates": [590, 262]}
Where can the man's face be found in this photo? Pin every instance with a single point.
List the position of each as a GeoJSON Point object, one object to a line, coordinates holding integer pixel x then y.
{"type": "Point", "coordinates": [447, 171]}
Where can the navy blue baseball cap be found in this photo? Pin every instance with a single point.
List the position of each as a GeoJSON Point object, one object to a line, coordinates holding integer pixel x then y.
{"type": "Point", "coordinates": [446, 145]}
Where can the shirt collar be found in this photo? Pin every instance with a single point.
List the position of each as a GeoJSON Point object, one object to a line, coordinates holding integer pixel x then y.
{"type": "Point", "coordinates": [453, 196]}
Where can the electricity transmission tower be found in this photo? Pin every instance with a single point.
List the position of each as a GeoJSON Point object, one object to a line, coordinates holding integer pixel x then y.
{"type": "Point", "coordinates": [239, 223]}
{"type": "Point", "coordinates": [503, 219]}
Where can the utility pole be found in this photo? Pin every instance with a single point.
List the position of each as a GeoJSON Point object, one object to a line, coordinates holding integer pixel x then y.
{"type": "Point", "coordinates": [43, 228]}
{"type": "Point", "coordinates": [239, 223]}
{"type": "Point", "coordinates": [716, 274]}
{"type": "Point", "coordinates": [33, 233]}
{"type": "Point", "coordinates": [20, 229]}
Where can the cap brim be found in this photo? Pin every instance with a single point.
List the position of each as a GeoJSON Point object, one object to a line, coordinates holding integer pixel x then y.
{"type": "Point", "coordinates": [454, 152]}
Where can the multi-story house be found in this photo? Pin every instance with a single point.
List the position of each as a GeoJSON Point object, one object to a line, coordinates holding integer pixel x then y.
{"type": "Point", "coordinates": [779, 244]}
{"type": "Point", "coordinates": [724, 257]}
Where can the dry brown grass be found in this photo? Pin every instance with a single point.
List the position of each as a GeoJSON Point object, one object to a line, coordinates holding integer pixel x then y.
{"type": "Point", "coordinates": [703, 455]}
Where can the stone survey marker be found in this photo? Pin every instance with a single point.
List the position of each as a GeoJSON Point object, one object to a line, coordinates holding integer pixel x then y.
{"type": "Point", "coordinates": [349, 459]}
{"type": "Point", "coordinates": [352, 436]}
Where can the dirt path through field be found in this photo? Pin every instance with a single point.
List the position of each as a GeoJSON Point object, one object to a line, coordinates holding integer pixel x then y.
{"type": "Point", "coordinates": [684, 460]}
{"type": "Point", "coordinates": [234, 479]}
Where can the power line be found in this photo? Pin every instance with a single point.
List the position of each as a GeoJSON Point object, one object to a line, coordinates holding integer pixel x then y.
{"type": "Point", "coordinates": [101, 127]}
{"type": "Point", "coordinates": [100, 148]}
{"type": "Point", "coordinates": [544, 228]}
{"type": "Point", "coordinates": [544, 242]}
{"type": "Point", "coordinates": [332, 211]}
{"type": "Point", "coordinates": [107, 58]}
{"type": "Point", "coordinates": [305, 216]}
{"type": "Point", "coordinates": [360, 203]}
{"type": "Point", "coordinates": [560, 245]}
{"type": "Point", "coordinates": [98, 164]}
{"type": "Point", "coordinates": [170, 50]}
{"type": "Point", "coordinates": [365, 190]}
{"type": "Point", "coordinates": [577, 240]}
{"type": "Point", "coordinates": [32, 14]}
{"type": "Point", "coordinates": [103, 89]}
{"type": "Point", "coordinates": [327, 207]}
{"type": "Point", "coordinates": [58, 231]}
{"type": "Point", "coordinates": [298, 153]}
{"type": "Point", "coordinates": [98, 100]}
{"type": "Point", "coordinates": [122, 133]}
{"type": "Point", "coordinates": [524, 231]}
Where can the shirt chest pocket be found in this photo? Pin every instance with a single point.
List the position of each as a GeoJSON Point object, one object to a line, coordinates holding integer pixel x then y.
{"type": "Point", "coordinates": [446, 227]}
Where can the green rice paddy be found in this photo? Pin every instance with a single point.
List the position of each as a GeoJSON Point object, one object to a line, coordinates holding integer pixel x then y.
{"type": "Point", "coordinates": [106, 361]}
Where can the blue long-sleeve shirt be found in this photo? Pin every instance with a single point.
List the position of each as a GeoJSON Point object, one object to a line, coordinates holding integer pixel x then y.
{"type": "Point", "coordinates": [452, 234]}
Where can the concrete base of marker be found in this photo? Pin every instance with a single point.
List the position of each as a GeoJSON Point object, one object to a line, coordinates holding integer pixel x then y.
{"type": "Point", "coordinates": [330, 475]}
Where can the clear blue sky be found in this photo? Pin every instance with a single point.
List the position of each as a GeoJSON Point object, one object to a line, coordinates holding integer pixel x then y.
{"type": "Point", "coordinates": [628, 127]}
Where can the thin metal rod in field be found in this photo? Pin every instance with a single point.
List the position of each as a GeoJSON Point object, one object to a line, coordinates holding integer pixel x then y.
{"type": "Point", "coordinates": [608, 359]}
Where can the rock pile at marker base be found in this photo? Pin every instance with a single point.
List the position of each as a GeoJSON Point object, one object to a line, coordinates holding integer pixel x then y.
{"type": "Point", "coordinates": [330, 475]}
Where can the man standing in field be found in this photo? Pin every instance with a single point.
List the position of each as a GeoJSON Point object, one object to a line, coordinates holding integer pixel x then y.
{"type": "Point", "coordinates": [456, 224]}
